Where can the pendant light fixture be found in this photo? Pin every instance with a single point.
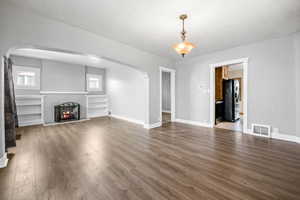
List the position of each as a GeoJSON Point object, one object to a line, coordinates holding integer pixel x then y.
{"type": "Point", "coordinates": [184, 47]}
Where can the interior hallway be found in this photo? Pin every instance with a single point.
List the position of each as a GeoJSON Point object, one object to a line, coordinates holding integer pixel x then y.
{"type": "Point", "coordinates": [166, 117]}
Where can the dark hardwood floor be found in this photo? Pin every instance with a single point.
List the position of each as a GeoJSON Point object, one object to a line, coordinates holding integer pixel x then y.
{"type": "Point", "coordinates": [111, 159]}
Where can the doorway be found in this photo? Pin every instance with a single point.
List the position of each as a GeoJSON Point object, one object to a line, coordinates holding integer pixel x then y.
{"type": "Point", "coordinates": [228, 97]}
{"type": "Point", "coordinates": [167, 95]}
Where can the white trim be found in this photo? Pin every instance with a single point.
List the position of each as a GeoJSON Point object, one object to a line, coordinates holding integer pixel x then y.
{"type": "Point", "coordinates": [195, 123]}
{"type": "Point", "coordinates": [87, 106]}
{"type": "Point", "coordinates": [2, 150]}
{"type": "Point", "coordinates": [29, 96]}
{"type": "Point", "coordinates": [166, 111]}
{"type": "Point", "coordinates": [285, 137]}
{"type": "Point", "coordinates": [150, 126]}
{"type": "Point", "coordinates": [3, 161]}
{"type": "Point", "coordinates": [42, 109]}
{"type": "Point", "coordinates": [278, 136]}
{"type": "Point", "coordinates": [145, 125]}
{"type": "Point", "coordinates": [147, 100]}
{"type": "Point", "coordinates": [127, 119]}
{"type": "Point", "coordinates": [63, 92]}
{"type": "Point", "coordinates": [97, 95]}
{"type": "Point", "coordinates": [173, 96]}
{"type": "Point", "coordinates": [244, 61]}
{"type": "Point", "coordinates": [67, 122]}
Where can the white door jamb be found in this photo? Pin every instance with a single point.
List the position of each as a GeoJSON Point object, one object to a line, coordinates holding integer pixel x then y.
{"type": "Point", "coordinates": [173, 105]}
{"type": "Point", "coordinates": [243, 61]}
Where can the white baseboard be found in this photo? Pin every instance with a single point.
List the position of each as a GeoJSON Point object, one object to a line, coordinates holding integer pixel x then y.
{"type": "Point", "coordinates": [285, 137]}
{"type": "Point", "coordinates": [278, 136]}
{"type": "Point", "coordinates": [67, 122]}
{"type": "Point", "coordinates": [3, 161]}
{"type": "Point", "coordinates": [150, 126]}
{"type": "Point", "coordinates": [196, 123]}
{"type": "Point", "coordinates": [166, 111]}
{"type": "Point", "coordinates": [127, 119]}
{"type": "Point", "coordinates": [146, 126]}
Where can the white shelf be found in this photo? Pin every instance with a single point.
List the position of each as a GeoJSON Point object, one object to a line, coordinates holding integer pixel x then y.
{"type": "Point", "coordinates": [97, 96]}
{"type": "Point", "coordinates": [63, 92]}
{"type": "Point", "coordinates": [29, 104]}
{"type": "Point", "coordinates": [100, 101]}
{"type": "Point", "coordinates": [97, 106]}
{"type": "Point", "coordinates": [30, 122]}
{"type": "Point", "coordinates": [30, 109]}
{"type": "Point", "coordinates": [27, 97]}
{"type": "Point", "coordinates": [30, 113]}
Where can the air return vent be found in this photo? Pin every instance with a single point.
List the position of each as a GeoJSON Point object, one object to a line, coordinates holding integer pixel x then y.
{"type": "Point", "coordinates": [261, 130]}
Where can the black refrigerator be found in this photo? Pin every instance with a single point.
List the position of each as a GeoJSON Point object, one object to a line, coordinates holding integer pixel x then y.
{"type": "Point", "coordinates": [231, 96]}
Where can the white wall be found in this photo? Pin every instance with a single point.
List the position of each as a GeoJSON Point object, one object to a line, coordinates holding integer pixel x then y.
{"type": "Point", "coordinates": [126, 89]}
{"type": "Point", "coordinates": [166, 91]}
{"type": "Point", "coordinates": [271, 84]}
{"type": "Point", "coordinates": [297, 75]}
{"type": "Point", "coordinates": [58, 76]}
{"type": "Point", "coordinates": [22, 27]}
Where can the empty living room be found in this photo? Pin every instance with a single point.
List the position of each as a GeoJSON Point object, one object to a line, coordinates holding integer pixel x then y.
{"type": "Point", "coordinates": [150, 100]}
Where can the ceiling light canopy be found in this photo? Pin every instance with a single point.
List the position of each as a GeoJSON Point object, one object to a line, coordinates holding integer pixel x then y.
{"type": "Point", "coordinates": [184, 47]}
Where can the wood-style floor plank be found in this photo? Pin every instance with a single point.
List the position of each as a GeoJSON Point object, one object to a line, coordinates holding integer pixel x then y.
{"type": "Point", "coordinates": [111, 159]}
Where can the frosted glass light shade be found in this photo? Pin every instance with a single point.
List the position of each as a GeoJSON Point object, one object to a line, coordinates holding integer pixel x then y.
{"type": "Point", "coordinates": [183, 48]}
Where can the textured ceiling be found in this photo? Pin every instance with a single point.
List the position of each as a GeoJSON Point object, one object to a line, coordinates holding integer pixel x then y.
{"type": "Point", "coordinates": [153, 26]}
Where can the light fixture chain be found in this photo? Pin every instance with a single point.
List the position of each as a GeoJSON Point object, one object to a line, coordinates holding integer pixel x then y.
{"type": "Point", "coordinates": [183, 33]}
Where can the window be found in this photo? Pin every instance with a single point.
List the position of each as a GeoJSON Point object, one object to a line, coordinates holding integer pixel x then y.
{"type": "Point", "coordinates": [26, 77]}
{"type": "Point", "coordinates": [94, 82]}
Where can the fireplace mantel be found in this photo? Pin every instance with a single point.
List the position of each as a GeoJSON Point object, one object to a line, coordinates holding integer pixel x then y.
{"type": "Point", "coordinates": [63, 92]}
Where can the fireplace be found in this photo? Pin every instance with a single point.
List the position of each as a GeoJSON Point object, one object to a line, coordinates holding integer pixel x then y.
{"type": "Point", "coordinates": [67, 112]}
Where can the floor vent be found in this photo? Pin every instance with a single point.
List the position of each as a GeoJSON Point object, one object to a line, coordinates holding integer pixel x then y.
{"type": "Point", "coordinates": [261, 130]}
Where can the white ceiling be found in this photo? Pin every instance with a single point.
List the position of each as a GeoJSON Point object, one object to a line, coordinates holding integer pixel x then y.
{"type": "Point", "coordinates": [67, 57]}
{"type": "Point", "coordinates": [153, 25]}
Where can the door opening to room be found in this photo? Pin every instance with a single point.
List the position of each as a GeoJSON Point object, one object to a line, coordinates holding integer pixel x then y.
{"type": "Point", "coordinates": [229, 97]}
{"type": "Point", "coordinates": [166, 97]}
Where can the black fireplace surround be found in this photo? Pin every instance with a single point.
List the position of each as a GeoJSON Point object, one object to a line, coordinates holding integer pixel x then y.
{"type": "Point", "coordinates": [67, 112]}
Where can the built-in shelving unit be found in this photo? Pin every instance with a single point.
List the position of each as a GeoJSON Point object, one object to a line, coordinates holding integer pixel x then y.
{"type": "Point", "coordinates": [97, 105]}
{"type": "Point", "coordinates": [30, 109]}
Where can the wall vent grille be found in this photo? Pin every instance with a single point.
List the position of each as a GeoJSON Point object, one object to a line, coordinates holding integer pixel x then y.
{"type": "Point", "coordinates": [261, 130]}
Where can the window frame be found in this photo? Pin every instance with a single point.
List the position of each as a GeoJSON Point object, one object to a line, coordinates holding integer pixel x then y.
{"type": "Point", "coordinates": [94, 76]}
{"type": "Point", "coordinates": [16, 69]}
